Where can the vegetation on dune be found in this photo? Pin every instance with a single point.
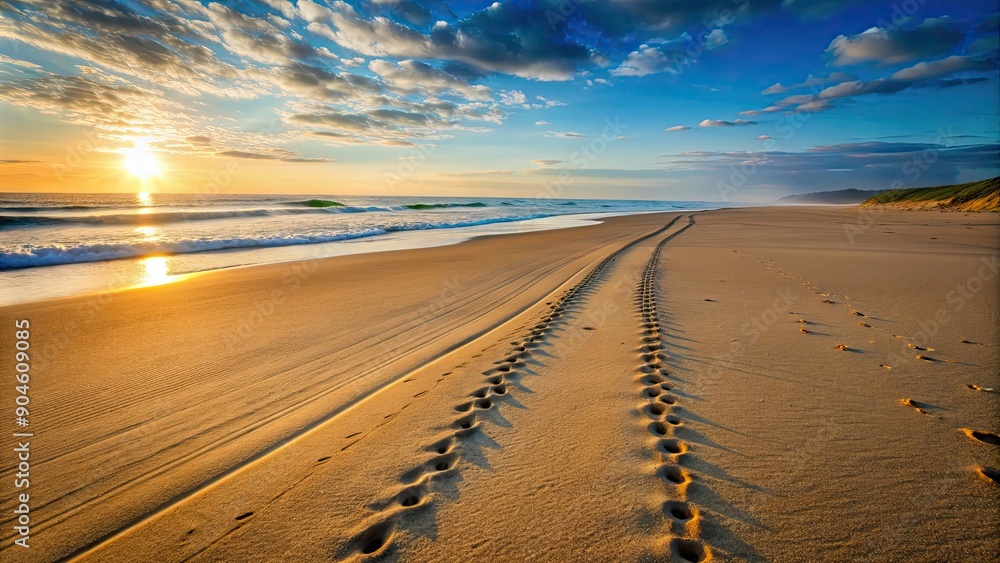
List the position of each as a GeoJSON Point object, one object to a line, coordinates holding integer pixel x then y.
{"type": "Point", "coordinates": [974, 196]}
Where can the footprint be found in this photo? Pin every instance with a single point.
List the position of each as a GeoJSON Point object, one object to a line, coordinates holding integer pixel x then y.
{"type": "Point", "coordinates": [652, 379]}
{"type": "Point", "coordinates": [442, 446]}
{"type": "Point", "coordinates": [442, 463]}
{"type": "Point", "coordinates": [464, 407]}
{"type": "Point", "coordinates": [991, 474]}
{"type": "Point", "coordinates": [689, 550]}
{"type": "Point", "coordinates": [484, 403]}
{"type": "Point", "coordinates": [652, 392]}
{"type": "Point", "coordinates": [654, 410]}
{"type": "Point", "coordinates": [658, 428]}
{"type": "Point", "coordinates": [673, 474]}
{"type": "Point", "coordinates": [412, 496]}
{"type": "Point", "coordinates": [981, 436]}
{"type": "Point", "coordinates": [672, 446]}
{"type": "Point", "coordinates": [374, 539]}
{"type": "Point", "coordinates": [679, 511]}
{"type": "Point", "coordinates": [921, 407]}
{"type": "Point", "coordinates": [465, 425]}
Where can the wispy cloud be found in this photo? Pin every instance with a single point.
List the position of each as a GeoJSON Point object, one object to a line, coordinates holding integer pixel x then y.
{"type": "Point", "coordinates": [723, 123]}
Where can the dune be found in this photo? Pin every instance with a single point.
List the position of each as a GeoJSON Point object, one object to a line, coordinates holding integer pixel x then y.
{"type": "Point", "coordinates": [636, 390]}
{"type": "Point", "coordinates": [973, 196]}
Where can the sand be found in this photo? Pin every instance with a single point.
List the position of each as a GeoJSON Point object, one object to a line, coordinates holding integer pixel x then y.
{"type": "Point", "coordinates": [655, 387]}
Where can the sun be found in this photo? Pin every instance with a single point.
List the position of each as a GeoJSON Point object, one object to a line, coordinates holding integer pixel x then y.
{"type": "Point", "coordinates": [142, 163]}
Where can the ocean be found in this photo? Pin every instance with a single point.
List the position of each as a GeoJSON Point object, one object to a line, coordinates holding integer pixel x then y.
{"type": "Point", "coordinates": [63, 244]}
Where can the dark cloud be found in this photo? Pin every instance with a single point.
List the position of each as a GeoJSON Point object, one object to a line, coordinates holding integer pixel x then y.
{"type": "Point", "coordinates": [511, 37]}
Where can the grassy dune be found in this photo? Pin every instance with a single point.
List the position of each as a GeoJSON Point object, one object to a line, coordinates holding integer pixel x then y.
{"type": "Point", "coordinates": [974, 196]}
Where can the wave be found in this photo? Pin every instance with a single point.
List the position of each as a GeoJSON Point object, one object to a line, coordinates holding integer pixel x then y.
{"type": "Point", "coordinates": [58, 255]}
{"type": "Point", "coordinates": [30, 208]}
{"type": "Point", "coordinates": [140, 219]}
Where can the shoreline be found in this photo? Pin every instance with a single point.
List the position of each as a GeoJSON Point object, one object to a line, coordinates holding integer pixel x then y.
{"type": "Point", "coordinates": [634, 387]}
{"type": "Point", "coordinates": [130, 273]}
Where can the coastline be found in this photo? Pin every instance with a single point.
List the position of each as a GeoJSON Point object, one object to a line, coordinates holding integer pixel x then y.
{"type": "Point", "coordinates": [297, 405]}
{"type": "Point", "coordinates": [25, 285]}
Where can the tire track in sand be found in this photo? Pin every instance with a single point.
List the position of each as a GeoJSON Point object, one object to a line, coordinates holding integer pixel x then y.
{"type": "Point", "coordinates": [445, 455]}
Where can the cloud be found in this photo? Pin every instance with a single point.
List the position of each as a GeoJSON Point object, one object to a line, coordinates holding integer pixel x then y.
{"type": "Point", "coordinates": [927, 74]}
{"type": "Point", "coordinates": [246, 155]}
{"type": "Point", "coordinates": [414, 76]}
{"type": "Point", "coordinates": [658, 56]}
{"type": "Point", "coordinates": [832, 78]}
{"type": "Point", "coordinates": [932, 38]}
{"type": "Point", "coordinates": [542, 122]}
{"type": "Point", "coordinates": [513, 98]}
{"type": "Point", "coordinates": [196, 50]}
{"type": "Point", "coordinates": [275, 154]}
{"type": "Point", "coordinates": [763, 137]}
{"type": "Point", "coordinates": [677, 128]}
{"type": "Point", "coordinates": [24, 64]}
{"type": "Point", "coordinates": [948, 65]}
{"type": "Point", "coordinates": [477, 173]}
{"type": "Point", "coordinates": [256, 38]}
{"type": "Point", "coordinates": [513, 38]}
{"type": "Point", "coordinates": [546, 162]}
{"type": "Point", "coordinates": [722, 123]}
{"type": "Point", "coordinates": [307, 160]}
{"type": "Point", "coordinates": [715, 39]}
{"type": "Point", "coordinates": [568, 134]}
{"type": "Point", "coordinates": [165, 50]}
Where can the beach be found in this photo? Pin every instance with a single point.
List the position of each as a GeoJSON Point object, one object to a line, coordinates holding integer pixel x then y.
{"type": "Point", "coordinates": [783, 384]}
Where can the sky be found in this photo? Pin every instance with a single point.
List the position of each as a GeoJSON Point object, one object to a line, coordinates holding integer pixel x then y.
{"type": "Point", "coordinates": [709, 100]}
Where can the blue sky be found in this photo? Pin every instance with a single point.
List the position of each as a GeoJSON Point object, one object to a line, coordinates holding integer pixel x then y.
{"type": "Point", "coordinates": [711, 100]}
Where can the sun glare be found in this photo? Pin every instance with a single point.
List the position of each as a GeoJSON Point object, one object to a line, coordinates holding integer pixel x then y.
{"type": "Point", "coordinates": [142, 163]}
{"type": "Point", "coordinates": [156, 271]}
